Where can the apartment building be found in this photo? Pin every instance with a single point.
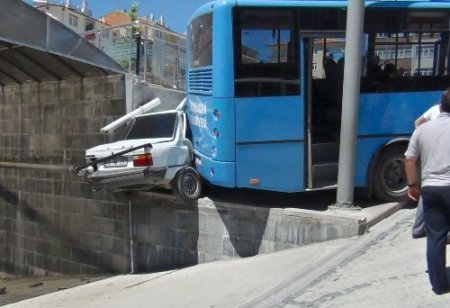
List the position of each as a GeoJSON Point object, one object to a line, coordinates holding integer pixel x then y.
{"type": "Point", "coordinates": [77, 18]}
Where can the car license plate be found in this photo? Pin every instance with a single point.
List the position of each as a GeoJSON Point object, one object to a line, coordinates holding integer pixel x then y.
{"type": "Point", "coordinates": [116, 162]}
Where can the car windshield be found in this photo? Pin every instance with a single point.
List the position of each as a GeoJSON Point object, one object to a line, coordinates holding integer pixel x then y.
{"type": "Point", "coordinates": [151, 126]}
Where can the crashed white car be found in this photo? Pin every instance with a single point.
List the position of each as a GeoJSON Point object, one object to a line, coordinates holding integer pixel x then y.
{"type": "Point", "coordinates": [153, 152]}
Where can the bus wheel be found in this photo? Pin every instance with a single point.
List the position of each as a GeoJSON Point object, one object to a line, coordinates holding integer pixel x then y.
{"type": "Point", "coordinates": [187, 186]}
{"type": "Point", "coordinates": [389, 182]}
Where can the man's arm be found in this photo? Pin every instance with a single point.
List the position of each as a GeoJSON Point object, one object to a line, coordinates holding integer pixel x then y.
{"type": "Point", "coordinates": [411, 178]}
{"type": "Point", "coordinates": [419, 121]}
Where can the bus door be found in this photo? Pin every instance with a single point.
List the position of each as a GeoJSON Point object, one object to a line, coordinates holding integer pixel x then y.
{"type": "Point", "coordinates": [324, 74]}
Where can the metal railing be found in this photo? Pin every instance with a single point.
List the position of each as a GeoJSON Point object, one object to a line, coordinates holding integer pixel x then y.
{"type": "Point", "coordinates": [154, 53]}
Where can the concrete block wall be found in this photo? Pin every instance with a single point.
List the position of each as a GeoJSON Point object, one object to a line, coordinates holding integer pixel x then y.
{"type": "Point", "coordinates": [50, 220]}
{"type": "Point", "coordinates": [143, 93]}
{"type": "Point", "coordinates": [169, 234]}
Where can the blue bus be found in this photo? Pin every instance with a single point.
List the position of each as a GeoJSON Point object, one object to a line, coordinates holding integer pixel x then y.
{"type": "Point", "coordinates": [265, 89]}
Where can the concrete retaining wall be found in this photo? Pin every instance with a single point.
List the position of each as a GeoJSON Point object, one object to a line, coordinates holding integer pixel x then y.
{"type": "Point", "coordinates": [168, 233]}
{"type": "Point", "coordinates": [51, 221]}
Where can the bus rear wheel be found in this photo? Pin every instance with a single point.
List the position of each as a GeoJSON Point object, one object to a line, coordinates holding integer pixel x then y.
{"type": "Point", "coordinates": [187, 186]}
{"type": "Point", "coordinates": [389, 183]}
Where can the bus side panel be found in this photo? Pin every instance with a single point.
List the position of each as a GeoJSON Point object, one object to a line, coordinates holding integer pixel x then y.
{"type": "Point", "coordinates": [384, 117]}
{"type": "Point", "coordinates": [266, 119]}
{"type": "Point", "coordinates": [273, 166]}
{"type": "Point", "coordinates": [216, 172]}
{"type": "Point", "coordinates": [212, 125]}
{"type": "Point", "coordinates": [269, 137]}
{"type": "Point", "coordinates": [365, 149]}
{"type": "Point", "coordinates": [391, 113]}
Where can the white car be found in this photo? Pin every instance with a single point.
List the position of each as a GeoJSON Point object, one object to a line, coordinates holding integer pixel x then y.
{"type": "Point", "coordinates": [152, 152]}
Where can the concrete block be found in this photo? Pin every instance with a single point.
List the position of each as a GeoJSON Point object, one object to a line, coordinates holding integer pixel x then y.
{"type": "Point", "coordinates": [211, 243]}
{"type": "Point", "coordinates": [169, 256]}
{"type": "Point", "coordinates": [187, 220]}
{"type": "Point", "coordinates": [71, 205]}
{"type": "Point", "coordinates": [162, 217]}
{"type": "Point", "coordinates": [11, 211]}
{"type": "Point", "coordinates": [150, 234]}
{"type": "Point", "coordinates": [69, 267]}
{"type": "Point", "coordinates": [91, 270]}
{"type": "Point", "coordinates": [286, 231]}
{"type": "Point", "coordinates": [265, 247]}
{"type": "Point", "coordinates": [116, 88]}
{"type": "Point", "coordinates": [29, 91]}
{"type": "Point", "coordinates": [120, 246]}
{"type": "Point", "coordinates": [8, 224]}
{"type": "Point", "coordinates": [146, 253]}
{"type": "Point", "coordinates": [5, 252]}
{"type": "Point", "coordinates": [43, 247]}
{"type": "Point", "coordinates": [307, 234]}
{"type": "Point", "coordinates": [228, 248]}
{"type": "Point", "coordinates": [81, 255]}
{"type": "Point", "coordinates": [64, 250]}
{"type": "Point", "coordinates": [101, 225]}
{"type": "Point", "coordinates": [170, 237]}
{"type": "Point", "coordinates": [121, 229]}
{"type": "Point", "coordinates": [71, 90]}
{"type": "Point", "coordinates": [120, 264]}
{"type": "Point", "coordinates": [48, 92]}
{"type": "Point", "coordinates": [186, 240]}
{"type": "Point", "coordinates": [282, 246]}
{"type": "Point", "coordinates": [207, 257]}
{"type": "Point", "coordinates": [96, 241]}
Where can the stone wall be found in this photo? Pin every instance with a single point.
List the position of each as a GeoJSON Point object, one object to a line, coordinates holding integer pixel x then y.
{"type": "Point", "coordinates": [50, 220]}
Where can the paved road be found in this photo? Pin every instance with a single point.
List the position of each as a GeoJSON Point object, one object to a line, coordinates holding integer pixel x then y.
{"type": "Point", "coordinates": [384, 268]}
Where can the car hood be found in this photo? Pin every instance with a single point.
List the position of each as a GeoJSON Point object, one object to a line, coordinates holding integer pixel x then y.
{"type": "Point", "coordinates": [122, 145]}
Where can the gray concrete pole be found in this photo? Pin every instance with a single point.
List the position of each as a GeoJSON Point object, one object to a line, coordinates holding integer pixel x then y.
{"type": "Point", "coordinates": [350, 103]}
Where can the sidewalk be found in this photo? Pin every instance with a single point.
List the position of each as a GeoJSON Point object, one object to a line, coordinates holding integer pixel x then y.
{"type": "Point", "coordinates": [384, 268]}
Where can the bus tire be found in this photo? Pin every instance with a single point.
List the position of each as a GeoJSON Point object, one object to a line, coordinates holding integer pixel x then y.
{"type": "Point", "coordinates": [389, 181]}
{"type": "Point", "coordinates": [187, 185]}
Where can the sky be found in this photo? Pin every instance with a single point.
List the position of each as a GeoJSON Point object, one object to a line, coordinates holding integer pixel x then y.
{"type": "Point", "coordinates": [176, 12]}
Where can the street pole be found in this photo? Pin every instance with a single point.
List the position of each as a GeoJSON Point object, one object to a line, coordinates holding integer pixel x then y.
{"type": "Point", "coordinates": [350, 104]}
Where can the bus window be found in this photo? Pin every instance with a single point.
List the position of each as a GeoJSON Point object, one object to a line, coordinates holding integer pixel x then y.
{"type": "Point", "coordinates": [266, 53]}
{"type": "Point", "coordinates": [403, 53]}
{"type": "Point", "coordinates": [200, 41]}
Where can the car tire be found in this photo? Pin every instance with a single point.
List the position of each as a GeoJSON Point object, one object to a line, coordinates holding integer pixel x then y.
{"type": "Point", "coordinates": [187, 186]}
{"type": "Point", "coordinates": [389, 181]}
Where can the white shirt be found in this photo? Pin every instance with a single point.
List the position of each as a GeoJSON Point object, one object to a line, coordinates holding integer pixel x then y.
{"type": "Point", "coordinates": [432, 113]}
{"type": "Point", "coordinates": [431, 142]}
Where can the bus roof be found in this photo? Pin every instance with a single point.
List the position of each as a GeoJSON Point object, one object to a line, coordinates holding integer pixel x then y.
{"type": "Point", "coordinates": [343, 3]}
{"type": "Point", "coordinates": [428, 4]}
{"type": "Point", "coordinates": [412, 4]}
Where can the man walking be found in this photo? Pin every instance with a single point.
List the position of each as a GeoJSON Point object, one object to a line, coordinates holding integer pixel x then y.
{"type": "Point", "coordinates": [431, 142]}
{"type": "Point", "coordinates": [418, 228]}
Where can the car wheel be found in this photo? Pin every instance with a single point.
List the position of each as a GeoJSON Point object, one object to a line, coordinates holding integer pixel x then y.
{"type": "Point", "coordinates": [389, 183]}
{"type": "Point", "coordinates": [187, 186]}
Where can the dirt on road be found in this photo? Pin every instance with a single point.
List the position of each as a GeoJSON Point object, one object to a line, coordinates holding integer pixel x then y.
{"type": "Point", "coordinates": [13, 290]}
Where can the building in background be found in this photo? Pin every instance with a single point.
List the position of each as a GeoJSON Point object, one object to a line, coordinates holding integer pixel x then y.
{"type": "Point", "coordinates": [162, 51]}
{"type": "Point", "coordinates": [157, 54]}
{"type": "Point", "coordinates": [77, 18]}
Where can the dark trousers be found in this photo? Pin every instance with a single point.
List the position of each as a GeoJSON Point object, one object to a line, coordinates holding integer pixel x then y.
{"type": "Point", "coordinates": [436, 205]}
